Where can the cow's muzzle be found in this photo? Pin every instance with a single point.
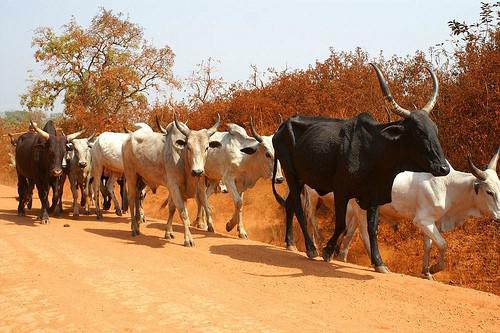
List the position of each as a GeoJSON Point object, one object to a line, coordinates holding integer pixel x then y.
{"type": "Point", "coordinates": [57, 172]}
{"type": "Point", "coordinates": [280, 180]}
{"type": "Point", "coordinates": [440, 170]}
{"type": "Point", "coordinates": [197, 173]}
{"type": "Point", "coordinates": [82, 164]}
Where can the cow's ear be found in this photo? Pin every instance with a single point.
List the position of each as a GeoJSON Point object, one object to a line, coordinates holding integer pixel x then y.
{"type": "Point", "coordinates": [477, 184]}
{"type": "Point", "coordinates": [180, 143]}
{"type": "Point", "coordinates": [249, 150]}
{"type": "Point", "coordinates": [90, 144]}
{"type": "Point", "coordinates": [393, 132]}
{"type": "Point", "coordinates": [214, 144]}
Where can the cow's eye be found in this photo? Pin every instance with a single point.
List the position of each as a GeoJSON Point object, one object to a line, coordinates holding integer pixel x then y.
{"type": "Point", "coordinates": [268, 155]}
{"type": "Point", "coordinates": [490, 193]}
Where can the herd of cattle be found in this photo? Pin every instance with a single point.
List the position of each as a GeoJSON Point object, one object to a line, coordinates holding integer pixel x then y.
{"type": "Point", "coordinates": [398, 165]}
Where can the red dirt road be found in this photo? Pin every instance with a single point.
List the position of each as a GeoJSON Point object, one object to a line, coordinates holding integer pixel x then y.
{"type": "Point", "coordinates": [94, 277]}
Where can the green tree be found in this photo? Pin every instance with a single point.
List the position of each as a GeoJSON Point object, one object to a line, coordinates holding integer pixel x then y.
{"type": "Point", "coordinates": [103, 73]}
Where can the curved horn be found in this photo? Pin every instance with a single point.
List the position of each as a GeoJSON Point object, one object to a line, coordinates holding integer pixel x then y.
{"type": "Point", "coordinates": [92, 136]}
{"type": "Point", "coordinates": [254, 132]}
{"type": "Point", "coordinates": [435, 92]}
{"type": "Point", "coordinates": [180, 128]}
{"type": "Point", "coordinates": [159, 125]}
{"type": "Point", "coordinates": [387, 94]}
{"type": "Point", "coordinates": [478, 173]}
{"type": "Point", "coordinates": [71, 137]}
{"type": "Point", "coordinates": [281, 118]}
{"type": "Point", "coordinates": [41, 132]}
{"type": "Point", "coordinates": [214, 128]}
{"type": "Point", "coordinates": [494, 161]}
{"type": "Point", "coordinates": [388, 113]}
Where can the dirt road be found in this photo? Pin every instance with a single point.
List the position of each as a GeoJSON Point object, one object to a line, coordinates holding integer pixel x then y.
{"type": "Point", "coordinates": [94, 277]}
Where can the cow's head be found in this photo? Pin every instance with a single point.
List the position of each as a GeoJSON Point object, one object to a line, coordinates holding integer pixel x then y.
{"type": "Point", "coordinates": [196, 145]}
{"type": "Point", "coordinates": [417, 133]}
{"type": "Point", "coordinates": [487, 187]}
{"type": "Point", "coordinates": [54, 147]}
{"type": "Point", "coordinates": [81, 148]}
{"type": "Point", "coordinates": [263, 151]}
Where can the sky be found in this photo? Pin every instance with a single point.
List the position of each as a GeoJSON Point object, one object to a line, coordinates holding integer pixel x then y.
{"type": "Point", "coordinates": [269, 33]}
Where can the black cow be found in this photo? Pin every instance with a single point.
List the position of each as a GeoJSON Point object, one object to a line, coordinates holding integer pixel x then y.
{"type": "Point", "coordinates": [39, 160]}
{"type": "Point", "coordinates": [354, 158]}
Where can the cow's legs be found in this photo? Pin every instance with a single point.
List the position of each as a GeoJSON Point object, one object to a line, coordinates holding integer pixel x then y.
{"type": "Point", "coordinates": [352, 224]}
{"type": "Point", "coordinates": [123, 194]}
{"type": "Point", "coordinates": [109, 186]}
{"type": "Point", "coordinates": [169, 232]}
{"type": "Point", "coordinates": [373, 219]}
{"type": "Point", "coordinates": [238, 209]}
{"type": "Point", "coordinates": [181, 208]}
{"type": "Point", "coordinates": [132, 179]}
{"type": "Point", "coordinates": [86, 194]}
{"type": "Point", "coordinates": [22, 190]}
{"type": "Point", "coordinates": [309, 205]}
{"type": "Point", "coordinates": [42, 188]}
{"type": "Point", "coordinates": [289, 214]}
{"type": "Point", "coordinates": [430, 230]}
{"type": "Point", "coordinates": [74, 192]}
{"type": "Point", "coordinates": [96, 186]}
{"type": "Point", "coordinates": [299, 213]}
{"type": "Point", "coordinates": [427, 251]}
{"type": "Point", "coordinates": [60, 189]}
{"type": "Point", "coordinates": [202, 196]}
{"type": "Point", "coordinates": [333, 245]}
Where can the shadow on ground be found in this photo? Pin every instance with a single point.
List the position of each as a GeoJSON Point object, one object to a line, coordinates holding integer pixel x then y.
{"type": "Point", "coordinates": [273, 256]}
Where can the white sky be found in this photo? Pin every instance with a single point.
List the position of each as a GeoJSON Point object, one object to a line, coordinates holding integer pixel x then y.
{"type": "Point", "coordinates": [269, 33]}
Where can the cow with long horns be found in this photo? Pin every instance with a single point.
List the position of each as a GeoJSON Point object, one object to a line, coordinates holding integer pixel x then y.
{"type": "Point", "coordinates": [355, 158]}
{"type": "Point", "coordinates": [239, 163]}
{"type": "Point", "coordinates": [39, 161]}
{"type": "Point", "coordinates": [175, 159]}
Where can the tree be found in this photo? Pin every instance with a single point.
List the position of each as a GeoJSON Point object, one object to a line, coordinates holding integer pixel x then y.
{"type": "Point", "coordinates": [204, 83]}
{"type": "Point", "coordinates": [103, 72]}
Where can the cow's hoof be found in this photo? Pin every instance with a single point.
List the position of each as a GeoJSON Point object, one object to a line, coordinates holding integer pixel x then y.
{"type": "Point", "coordinates": [21, 213]}
{"type": "Point", "coordinates": [45, 220]}
{"type": "Point", "coordinates": [188, 243]}
{"type": "Point", "coordinates": [292, 248]}
{"type": "Point", "coordinates": [169, 235]}
{"type": "Point", "coordinates": [327, 255]}
{"type": "Point", "coordinates": [427, 276]}
{"type": "Point", "coordinates": [75, 216]}
{"type": "Point", "coordinates": [210, 228]}
{"type": "Point", "coordinates": [436, 268]}
{"type": "Point", "coordinates": [243, 235]}
{"type": "Point", "coordinates": [229, 226]}
{"type": "Point", "coordinates": [99, 218]}
{"type": "Point", "coordinates": [311, 254]}
{"type": "Point", "coordinates": [135, 233]}
{"type": "Point", "coordinates": [87, 212]}
{"type": "Point", "coordinates": [342, 256]}
{"type": "Point", "coordinates": [118, 212]}
{"type": "Point", "coordinates": [382, 269]}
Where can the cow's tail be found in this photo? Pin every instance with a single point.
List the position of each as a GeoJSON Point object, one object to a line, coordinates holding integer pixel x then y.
{"type": "Point", "coordinates": [277, 196]}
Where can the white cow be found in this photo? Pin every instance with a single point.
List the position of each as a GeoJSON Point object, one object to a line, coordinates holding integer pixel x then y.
{"type": "Point", "coordinates": [106, 154]}
{"type": "Point", "coordinates": [434, 204]}
{"type": "Point", "coordinates": [239, 163]}
{"type": "Point", "coordinates": [79, 175]}
{"type": "Point", "coordinates": [174, 159]}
